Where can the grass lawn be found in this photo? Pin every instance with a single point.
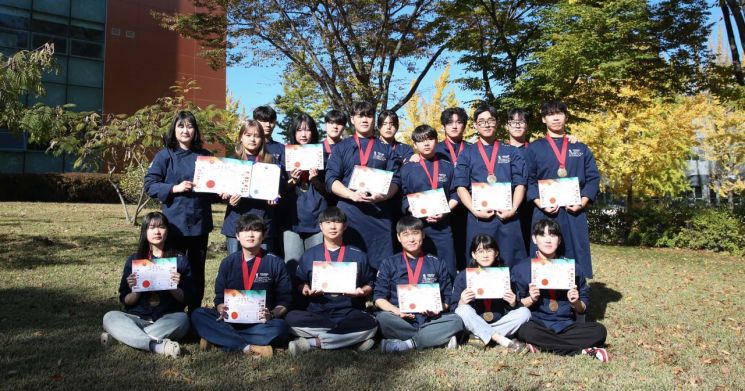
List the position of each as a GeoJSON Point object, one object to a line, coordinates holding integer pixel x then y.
{"type": "Point", "coordinates": [674, 317]}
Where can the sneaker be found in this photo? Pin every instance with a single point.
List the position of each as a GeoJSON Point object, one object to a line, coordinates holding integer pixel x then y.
{"type": "Point", "coordinates": [204, 345]}
{"type": "Point", "coordinates": [518, 347]}
{"type": "Point", "coordinates": [365, 345]}
{"type": "Point", "coordinates": [599, 354]}
{"type": "Point", "coordinates": [260, 351]}
{"type": "Point", "coordinates": [171, 348]}
{"type": "Point", "coordinates": [453, 343]}
{"type": "Point", "coordinates": [298, 346]}
{"type": "Point", "coordinates": [107, 340]}
{"type": "Point", "coordinates": [386, 345]}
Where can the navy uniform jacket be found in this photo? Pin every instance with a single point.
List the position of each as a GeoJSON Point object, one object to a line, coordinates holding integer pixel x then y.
{"type": "Point", "coordinates": [188, 213]}
{"type": "Point", "coordinates": [301, 208]}
{"type": "Point", "coordinates": [580, 163]}
{"type": "Point", "coordinates": [402, 152]}
{"type": "Point", "coordinates": [414, 180]}
{"type": "Point", "coordinates": [442, 151]}
{"type": "Point", "coordinates": [499, 307]}
{"type": "Point", "coordinates": [540, 312]}
{"type": "Point", "coordinates": [332, 302]}
{"type": "Point", "coordinates": [167, 303]}
{"type": "Point", "coordinates": [277, 150]}
{"type": "Point", "coordinates": [393, 272]}
{"type": "Point", "coordinates": [272, 276]}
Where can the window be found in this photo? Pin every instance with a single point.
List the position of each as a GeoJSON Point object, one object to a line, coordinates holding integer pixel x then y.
{"type": "Point", "coordinates": [56, 7]}
{"type": "Point", "coordinates": [61, 75]}
{"type": "Point", "coordinates": [85, 99]}
{"type": "Point", "coordinates": [86, 31]}
{"type": "Point", "coordinates": [86, 49]}
{"type": "Point", "coordinates": [49, 24]}
{"type": "Point", "coordinates": [13, 39]}
{"type": "Point", "coordinates": [60, 44]}
{"type": "Point", "coordinates": [55, 95]}
{"type": "Point", "coordinates": [85, 72]}
{"type": "Point", "coordinates": [14, 18]}
{"type": "Point", "coordinates": [93, 10]}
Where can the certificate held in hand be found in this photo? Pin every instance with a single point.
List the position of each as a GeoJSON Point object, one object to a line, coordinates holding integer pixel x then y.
{"type": "Point", "coordinates": [552, 273]}
{"type": "Point", "coordinates": [488, 282]}
{"type": "Point", "coordinates": [154, 274]}
{"type": "Point", "coordinates": [417, 298]}
{"type": "Point", "coordinates": [304, 157]}
{"type": "Point", "coordinates": [428, 203]}
{"type": "Point", "coordinates": [334, 277]}
{"type": "Point", "coordinates": [559, 192]}
{"type": "Point", "coordinates": [371, 180]}
{"type": "Point", "coordinates": [245, 306]}
{"type": "Point", "coordinates": [491, 196]}
{"type": "Point", "coordinates": [222, 175]}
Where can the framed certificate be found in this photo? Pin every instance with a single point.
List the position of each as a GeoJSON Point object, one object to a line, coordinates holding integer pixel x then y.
{"type": "Point", "coordinates": [304, 157]}
{"type": "Point", "coordinates": [264, 181]}
{"type": "Point", "coordinates": [416, 298]}
{"type": "Point", "coordinates": [371, 180]}
{"type": "Point", "coordinates": [559, 191]}
{"type": "Point", "coordinates": [488, 282]}
{"type": "Point", "coordinates": [154, 274]}
{"type": "Point", "coordinates": [491, 196]}
{"type": "Point", "coordinates": [552, 273]}
{"type": "Point", "coordinates": [222, 175]}
{"type": "Point", "coordinates": [428, 203]}
{"type": "Point", "coordinates": [245, 306]}
{"type": "Point", "coordinates": [334, 277]}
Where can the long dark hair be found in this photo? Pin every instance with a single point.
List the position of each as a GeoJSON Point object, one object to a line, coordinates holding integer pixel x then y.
{"type": "Point", "coordinates": [170, 138]}
{"type": "Point", "coordinates": [263, 156]}
{"type": "Point", "coordinates": [143, 247]}
{"type": "Point", "coordinates": [297, 122]}
{"type": "Point", "coordinates": [483, 241]}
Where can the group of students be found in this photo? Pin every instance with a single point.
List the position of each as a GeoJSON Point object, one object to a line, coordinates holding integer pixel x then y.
{"type": "Point", "coordinates": [318, 217]}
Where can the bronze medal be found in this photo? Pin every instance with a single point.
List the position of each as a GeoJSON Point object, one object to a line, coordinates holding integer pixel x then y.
{"type": "Point", "coordinates": [491, 178]}
{"type": "Point", "coordinates": [553, 305]}
{"type": "Point", "coordinates": [488, 316]}
{"type": "Point", "coordinates": [561, 172]}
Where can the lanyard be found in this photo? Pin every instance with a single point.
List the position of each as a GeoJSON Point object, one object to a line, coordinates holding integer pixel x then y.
{"type": "Point", "coordinates": [490, 163]}
{"type": "Point", "coordinates": [339, 257]}
{"type": "Point", "coordinates": [414, 276]}
{"type": "Point", "coordinates": [562, 157]}
{"type": "Point", "coordinates": [364, 156]}
{"type": "Point", "coordinates": [453, 156]}
{"type": "Point", "coordinates": [432, 178]}
{"type": "Point", "coordinates": [327, 146]}
{"type": "Point", "coordinates": [248, 281]}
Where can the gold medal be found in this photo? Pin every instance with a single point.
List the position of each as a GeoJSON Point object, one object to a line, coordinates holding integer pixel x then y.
{"type": "Point", "coordinates": [553, 305]}
{"type": "Point", "coordinates": [561, 172]}
{"type": "Point", "coordinates": [491, 178]}
{"type": "Point", "coordinates": [488, 316]}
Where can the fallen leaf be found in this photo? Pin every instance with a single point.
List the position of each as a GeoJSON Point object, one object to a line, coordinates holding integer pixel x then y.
{"type": "Point", "coordinates": [58, 377]}
{"type": "Point", "coordinates": [677, 370]}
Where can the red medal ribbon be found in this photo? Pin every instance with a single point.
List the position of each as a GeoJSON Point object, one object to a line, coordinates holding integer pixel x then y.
{"type": "Point", "coordinates": [562, 157]}
{"type": "Point", "coordinates": [248, 281]}
{"type": "Point", "coordinates": [453, 156]}
{"type": "Point", "coordinates": [490, 163]}
{"type": "Point", "coordinates": [487, 305]}
{"type": "Point", "coordinates": [414, 276]}
{"type": "Point", "coordinates": [364, 156]}
{"type": "Point", "coordinates": [339, 258]}
{"type": "Point", "coordinates": [432, 179]}
{"type": "Point", "coordinates": [326, 146]}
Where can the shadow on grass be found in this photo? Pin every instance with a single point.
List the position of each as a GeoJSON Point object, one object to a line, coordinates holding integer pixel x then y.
{"type": "Point", "coordinates": [600, 296]}
{"type": "Point", "coordinates": [32, 251]}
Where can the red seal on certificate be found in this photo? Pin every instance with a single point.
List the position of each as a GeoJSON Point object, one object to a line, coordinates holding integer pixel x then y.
{"type": "Point", "coordinates": [423, 211]}
{"type": "Point", "coordinates": [484, 203]}
{"type": "Point", "coordinates": [362, 184]}
{"type": "Point", "coordinates": [412, 306]}
{"type": "Point", "coordinates": [297, 164]}
{"type": "Point", "coordinates": [544, 282]}
{"type": "Point", "coordinates": [552, 200]}
{"type": "Point", "coordinates": [146, 284]}
{"type": "Point", "coordinates": [480, 291]}
{"type": "Point", "coordinates": [234, 315]}
{"type": "Point", "coordinates": [210, 184]}
{"type": "Point", "coordinates": [325, 285]}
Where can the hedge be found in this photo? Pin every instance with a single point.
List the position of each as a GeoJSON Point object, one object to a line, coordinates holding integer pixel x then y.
{"type": "Point", "coordinates": [68, 187]}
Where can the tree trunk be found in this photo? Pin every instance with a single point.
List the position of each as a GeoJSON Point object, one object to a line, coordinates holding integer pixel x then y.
{"type": "Point", "coordinates": [731, 200]}
{"type": "Point", "coordinates": [736, 65]}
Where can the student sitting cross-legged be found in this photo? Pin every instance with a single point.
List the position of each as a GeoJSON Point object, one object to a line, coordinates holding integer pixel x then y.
{"type": "Point", "coordinates": [417, 329]}
{"type": "Point", "coordinates": [491, 320]}
{"type": "Point", "coordinates": [553, 326]}
{"type": "Point", "coordinates": [333, 320]}
{"type": "Point", "coordinates": [248, 269]}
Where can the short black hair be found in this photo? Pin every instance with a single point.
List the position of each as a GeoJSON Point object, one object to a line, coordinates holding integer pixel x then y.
{"type": "Point", "coordinates": [484, 108]}
{"type": "Point", "coordinates": [332, 214]}
{"type": "Point", "coordinates": [517, 112]}
{"type": "Point", "coordinates": [553, 107]}
{"type": "Point", "coordinates": [364, 109]}
{"type": "Point", "coordinates": [265, 114]}
{"type": "Point", "coordinates": [423, 132]}
{"type": "Point", "coordinates": [448, 113]}
{"type": "Point", "coordinates": [385, 114]}
{"type": "Point", "coordinates": [409, 223]}
{"type": "Point", "coordinates": [540, 227]}
{"type": "Point", "coordinates": [250, 222]}
{"type": "Point", "coordinates": [170, 138]}
{"type": "Point", "coordinates": [335, 117]}
{"type": "Point", "coordinates": [297, 122]}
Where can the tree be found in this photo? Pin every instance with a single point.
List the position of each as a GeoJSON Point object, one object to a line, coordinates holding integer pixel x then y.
{"type": "Point", "coordinates": [300, 94]}
{"type": "Point", "coordinates": [351, 49]}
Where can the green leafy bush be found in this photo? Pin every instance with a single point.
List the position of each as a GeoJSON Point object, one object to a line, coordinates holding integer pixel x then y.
{"type": "Point", "coordinates": [713, 229]}
{"type": "Point", "coordinates": [69, 187]}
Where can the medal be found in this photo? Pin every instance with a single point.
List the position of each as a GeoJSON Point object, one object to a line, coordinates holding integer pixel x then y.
{"type": "Point", "coordinates": [561, 172]}
{"type": "Point", "coordinates": [560, 156]}
{"type": "Point", "coordinates": [488, 316]}
{"type": "Point", "coordinates": [489, 162]}
{"type": "Point", "coordinates": [553, 305]}
{"type": "Point", "coordinates": [491, 178]}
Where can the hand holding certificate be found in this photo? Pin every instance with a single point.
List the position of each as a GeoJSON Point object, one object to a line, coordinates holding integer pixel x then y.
{"type": "Point", "coordinates": [334, 277]}
{"type": "Point", "coordinates": [491, 196]}
{"type": "Point", "coordinates": [488, 282]}
{"type": "Point", "coordinates": [222, 175]}
{"type": "Point", "coordinates": [244, 306]}
{"type": "Point", "coordinates": [559, 192]}
{"type": "Point", "coordinates": [304, 157]}
{"type": "Point", "coordinates": [428, 203]}
{"type": "Point", "coordinates": [371, 180]}
{"type": "Point", "coordinates": [419, 298]}
{"type": "Point", "coordinates": [552, 273]}
{"type": "Point", "coordinates": [154, 274]}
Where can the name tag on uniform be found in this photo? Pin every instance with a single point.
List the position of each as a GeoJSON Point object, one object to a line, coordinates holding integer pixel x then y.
{"type": "Point", "coordinates": [418, 298]}
{"type": "Point", "coordinates": [552, 273]}
{"type": "Point", "coordinates": [428, 203]}
{"type": "Point", "coordinates": [371, 180]}
{"type": "Point", "coordinates": [245, 306]}
{"type": "Point", "coordinates": [334, 277]}
{"type": "Point", "coordinates": [304, 157]}
{"type": "Point", "coordinates": [154, 274]}
{"type": "Point", "coordinates": [491, 196]}
{"type": "Point", "coordinates": [559, 192]}
{"type": "Point", "coordinates": [488, 282]}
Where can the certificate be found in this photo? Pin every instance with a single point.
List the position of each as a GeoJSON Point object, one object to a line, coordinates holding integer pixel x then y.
{"type": "Point", "coordinates": [552, 273]}
{"type": "Point", "coordinates": [371, 180]}
{"type": "Point", "coordinates": [488, 282]}
{"type": "Point", "coordinates": [222, 175]}
{"type": "Point", "coordinates": [245, 306]}
{"type": "Point", "coordinates": [304, 157]}
{"type": "Point", "coordinates": [415, 298]}
{"type": "Point", "coordinates": [334, 277]}
{"type": "Point", "coordinates": [491, 196]}
{"type": "Point", "coordinates": [428, 203]}
{"type": "Point", "coordinates": [264, 181]}
{"type": "Point", "coordinates": [154, 274]}
{"type": "Point", "coordinates": [559, 192]}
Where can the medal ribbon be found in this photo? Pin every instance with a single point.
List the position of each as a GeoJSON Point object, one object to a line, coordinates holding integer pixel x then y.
{"type": "Point", "coordinates": [364, 156]}
{"type": "Point", "coordinates": [552, 298]}
{"type": "Point", "coordinates": [453, 156]}
{"type": "Point", "coordinates": [487, 305]}
{"type": "Point", "coordinates": [248, 281]}
{"type": "Point", "coordinates": [490, 163]}
{"type": "Point", "coordinates": [414, 276]}
{"type": "Point", "coordinates": [339, 258]}
{"type": "Point", "coordinates": [562, 157]}
{"type": "Point", "coordinates": [432, 179]}
{"type": "Point", "coordinates": [327, 146]}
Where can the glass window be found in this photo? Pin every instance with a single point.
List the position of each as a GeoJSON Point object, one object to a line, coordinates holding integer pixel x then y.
{"type": "Point", "coordinates": [94, 10]}
{"type": "Point", "coordinates": [14, 18]}
{"type": "Point", "coordinates": [57, 7]}
{"type": "Point", "coordinates": [39, 162]}
{"type": "Point", "coordinates": [25, 4]}
{"type": "Point", "coordinates": [13, 38]}
{"type": "Point", "coordinates": [86, 30]}
{"type": "Point", "coordinates": [61, 75]}
{"type": "Point", "coordinates": [55, 95]}
{"type": "Point", "coordinates": [85, 72]}
{"type": "Point", "coordinates": [49, 24]}
{"type": "Point", "coordinates": [12, 141]}
{"type": "Point", "coordinates": [10, 162]}
{"type": "Point", "coordinates": [60, 44]}
{"type": "Point", "coordinates": [86, 49]}
{"type": "Point", "coordinates": [85, 99]}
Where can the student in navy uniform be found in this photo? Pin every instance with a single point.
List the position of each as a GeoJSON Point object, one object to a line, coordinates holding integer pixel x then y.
{"type": "Point", "coordinates": [153, 318]}
{"type": "Point", "coordinates": [169, 180]}
{"type": "Point", "coordinates": [369, 215]}
{"type": "Point", "coordinates": [489, 161]}
{"type": "Point", "coordinates": [552, 157]}
{"type": "Point", "coordinates": [248, 269]}
{"type": "Point", "coordinates": [493, 321]}
{"type": "Point", "coordinates": [388, 127]}
{"type": "Point", "coordinates": [250, 146]}
{"type": "Point", "coordinates": [428, 173]}
{"type": "Point", "coordinates": [554, 326]}
{"type": "Point", "coordinates": [404, 331]}
{"type": "Point", "coordinates": [267, 117]}
{"type": "Point", "coordinates": [333, 321]}
{"type": "Point", "coordinates": [335, 122]}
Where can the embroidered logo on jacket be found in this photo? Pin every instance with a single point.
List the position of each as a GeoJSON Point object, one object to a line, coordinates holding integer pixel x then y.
{"type": "Point", "coordinates": [503, 159]}
{"type": "Point", "coordinates": [429, 278]}
{"type": "Point", "coordinates": [379, 156]}
{"type": "Point", "coordinates": [575, 153]}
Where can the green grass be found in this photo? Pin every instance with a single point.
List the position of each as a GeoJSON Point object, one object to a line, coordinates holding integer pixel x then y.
{"type": "Point", "coordinates": [674, 317]}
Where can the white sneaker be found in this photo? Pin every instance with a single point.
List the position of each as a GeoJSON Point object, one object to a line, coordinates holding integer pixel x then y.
{"type": "Point", "coordinates": [107, 340]}
{"type": "Point", "coordinates": [453, 343]}
{"type": "Point", "coordinates": [171, 348]}
{"type": "Point", "coordinates": [298, 346]}
{"type": "Point", "coordinates": [365, 345]}
{"type": "Point", "coordinates": [386, 345]}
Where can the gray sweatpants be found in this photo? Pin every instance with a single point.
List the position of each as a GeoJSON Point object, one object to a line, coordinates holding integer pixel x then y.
{"type": "Point", "coordinates": [138, 333]}
{"type": "Point", "coordinates": [434, 332]}
{"type": "Point", "coordinates": [506, 326]}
